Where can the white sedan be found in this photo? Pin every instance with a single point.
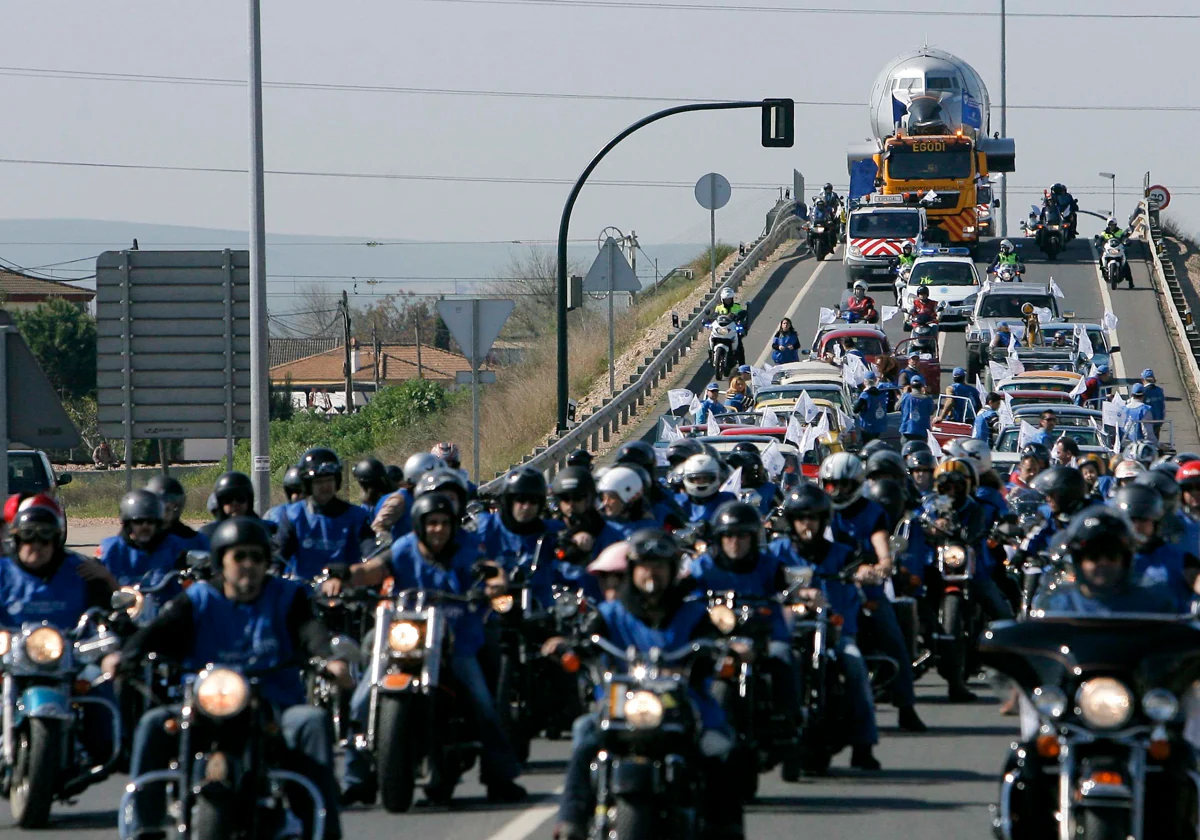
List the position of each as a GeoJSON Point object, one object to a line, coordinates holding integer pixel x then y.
{"type": "Point", "coordinates": [950, 278]}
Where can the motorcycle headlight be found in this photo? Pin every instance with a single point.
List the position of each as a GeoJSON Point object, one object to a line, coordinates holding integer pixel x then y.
{"type": "Point", "coordinates": [5, 642]}
{"type": "Point", "coordinates": [222, 693]}
{"type": "Point", "coordinates": [1050, 701]}
{"type": "Point", "coordinates": [643, 710]}
{"type": "Point", "coordinates": [501, 604]}
{"type": "Point", "coordinates": [44, 645]}
{"type": "Point", "coordinates": [139, 601]}
{"type": "Point", "coordinates": [954, 556]}
{"type": "Point", "coordinates": [1160, 705]}
{"type": "Point", "coordinates": [1104, 703]}
{"type": "Point", "coordinates": [404, 636]}
{"type": "Point", "coordinates": [722, 618]}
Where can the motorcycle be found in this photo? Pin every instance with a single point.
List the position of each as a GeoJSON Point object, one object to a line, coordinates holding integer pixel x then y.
{"type": "Point", "coordinates": [1007, 273]}
{"type": "Point", "coordinates": [346, 615]}
{"type": "Point", "coordinates": [925, 330]}
{"type": "Point", "coordinates": [43, 719]}
{"type": "Point", "coordinates": [822, 237]}
{"type": "Point", "coordinates": [1105, 757]}
{"type": "Point", "coordinates": [724, 339]}
{"type": "Point", "coordinates": [647, 778]}
{"type": "Point", "coordinates": [1113, 264]}
{"type": "Point", "coordinates": [228, 780]}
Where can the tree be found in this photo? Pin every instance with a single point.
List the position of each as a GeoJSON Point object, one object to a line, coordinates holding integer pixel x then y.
{"type": "Point", "coordinates": [532, 282]}
{"type": "Point", "coordinates": [63, 339]}
{"type": "Point", "coordinates": [314, 316]}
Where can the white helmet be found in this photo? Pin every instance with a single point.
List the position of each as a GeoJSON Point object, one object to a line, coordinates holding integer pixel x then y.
{"type": "Point", "coordinates": [1112, 221]}
{"type": "Point", "coordinates": [978, 452]}
{"type": "Point", "coordinates": [726, 294]}
{"type": "Point", "coordinates": [860, 284]}
{"type": "Point", "coordinates": [701, 476]}
{"type": "Point", "coordinates": [613, 559]}
{"type": "Point", "coordinates": [954, 448]}
{"type": "Point", "coordinates": [1128, 469]}
{"type": "Point", "coordinates": [1006, 247]}
{"type": "Point", "coordinates": [623, 481]}
{"type": "Point", "coordinates": [843, 466]}
{"type": "Point", "coordinates": [419, 464]}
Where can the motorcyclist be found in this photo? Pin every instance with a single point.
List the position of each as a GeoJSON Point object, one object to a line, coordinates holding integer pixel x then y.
{"type": "Point", "coordinates": [727, 305]}
{"type": "Point", "coordinates": [1156, 562]}
{"type": "Point", "coordinates": [234, 495]}
{"type": "Point", "coordinates": [449, 453]}
{"type": "Point", "coordinates": [702, 493]}
{"type": "Point", "coordinates": [862, 304]}
{"type": "Point", "coordinates": [1100, 484]}
{"type": "Point", "coordinates": [1007, 256]}
{"type": "Point", "coordinates": [143, 548]}
{"type": "Point", "coordinates": [1112, 230]}
{"type": "Point", "coordinates": [924, 310]}
{"type": "Point", "coordinates": [920, 466]}
{"type": "Point", "coordinates": [622, 495]}
{"type": "Point", "coordinates": [1065, 493]}
{"type": "Point", "coordinates": [652, 610]}
{"type": "Point", "coordinates": [1067, 206]}
{"type": "Point", "coordinates": [757, 489]}
{"type": "Point", "coordinates": [908, 255]}
{"type": "Point", "coordinates": [888, 484]}
{"type": "Point", "coordinates": [1188, 479]}
{"type": "Point", "coordinates": [832, 200]}
{"type": "Point", "coordinates": [663, 506]}
{"type": "Point", "coordinates": [373, 483]}
{"type": "Point", "coordinates": [678, 452]}
{"type": "Point", "coordinates": [436, 555]}
{"type": "Point", "coordinates": [248, 618]}
{"type": "Point", "coordinates": [323, 528]}
{"type": "Point", "coordinates": [955, 410]}
{"type": "Point", "coordinates": [174, 498]}
{"type": "Point", "coordinates": [862, 526]}
{"type": "Point", "coordinates": [293, 491]}
{"type": "Point", "coordinates": [510, 536]}
{"type": "Point", "coordinates": [808, 513]}
{"type": "Point", "coordinates": [586, 532]}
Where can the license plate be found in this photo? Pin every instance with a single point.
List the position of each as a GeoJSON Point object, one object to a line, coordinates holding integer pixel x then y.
{"type": "Point", "coordinates": [881, 271]}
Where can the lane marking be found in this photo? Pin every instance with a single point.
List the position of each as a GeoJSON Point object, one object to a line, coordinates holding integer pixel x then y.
{"type": "Point", "coordinates": [941, 345]}
{"type": "Point", "coordinates": [527, 822]}
{"type": "Point", "coordinates": [1118, 357]}
{"type": "Point", "coordinates": [790, 314]}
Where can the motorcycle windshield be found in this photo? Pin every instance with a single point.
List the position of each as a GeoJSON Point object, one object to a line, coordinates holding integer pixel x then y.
{"type": "Point", "coordinates": [1149, 651]}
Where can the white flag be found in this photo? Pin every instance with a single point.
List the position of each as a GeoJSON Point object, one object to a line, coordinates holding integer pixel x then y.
{"type": "Point", "coordinates": [733, 484]}
{"type": "Point", "coordinates": [671, 433]}
{"type": "Point", "coordinates": [714, 428]}
{"type": "Point", "coordinates": [1079, 388]}
{"type": "Point", "coordinates": [1006, 412]}
{"type": "Point", "coordinates": [1112, 413]}
{"type": "Point", "coordinates": [1093, 371]}
{"type": "Point", "coordinates": [844, 420]}
{"type": "Point", "coordinates": [694, 407]}
{"type": "Point", "coordinates": [1055, 290]}
{"type": "Point", "coordinates": [888, 313]}
{"type": "Point", "coordinates": [827, 316]}
{"type": "Point", "coordinates": [1109, 321]}
{"type": "Point", "coordinates": [805, 407]}
{"type": "Point", "coordinates": [794, 433]}
{"type": "Point", "coordinates": [660, 456]}
{"type": "Point", "coordinates": [1085, 343]}
{"type": "Point", "coordinates": [854, 370]}
{"type": "Point", "coordinates": [980, 390]}
{"type": "Point", "coordinates": [934, 446]}
{"type": "Point", "coordinates": [808, 440]}
{"type": "Point", "coordinates": [679, 397]}
{"type": "Point", "coordinates": [1012, 341]}
{"type": "Point", "coordinates": [1026, 435]}
{"type": "Point", "coordinates": [1044, 314]}
{"type": "Point", "coordinates": [822, 426]}
{"type": "Point", "coordinates": [1015, 364]}
{"type": "Point", "coordinates": [999, 372]}
{"type": "Point", "coordinates": [772, 459]}
{"type": "Point", "coordinates": [759, 378]}
{"type": "Point", "coordinates": [769, 419]}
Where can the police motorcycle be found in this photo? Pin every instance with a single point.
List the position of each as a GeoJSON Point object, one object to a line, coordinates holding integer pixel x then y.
{"type": "Point", "coordinates": [535, 693]}
{"type": "Point", "coordinates": [822, 236]}
{"type": "Point", "coordinates": [228, 781]}
{"type": "Point", "coordinates": [45, 691]}
{"type": "Point", "coordinates": [1107, 758]}
{"type": "Point", "coordinates": [1113, 263]}
{"type": "Point", "coordinates": [1052, 231]}
{"type": "Point", "coordinates": [725, 334]}
{"type": "Point", "coordinates": [647, 776]}
{"type": "Point", "coordinates": [1008, 273]}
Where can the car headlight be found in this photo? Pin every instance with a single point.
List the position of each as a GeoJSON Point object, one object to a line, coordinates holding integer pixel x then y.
{"type": "Point", "coordinates": [855, 251]}
{"type": "Point", "coordinates": [722, 618]}
{"type": "Point", "coordinates": [502, 603]}
{"type": "Point", "coordinates": [5, 642]}
{"type": "Point", "coordinates": [953, 556]}
{"type": "Point", "coordinates": [1160, 705]}
{"type": "Point", "coordinates": [1050, 701]}
{"type": "Point", "coordinates": [404, 636]}
{"type": "Point", "coordinates": [44, 645]}
{"type": "Point", "coordinates": [222, 693]}
{"type": "Point", "coordinates": [643, 710]}
{"type": "Point", "coordinates": [1104, 703]}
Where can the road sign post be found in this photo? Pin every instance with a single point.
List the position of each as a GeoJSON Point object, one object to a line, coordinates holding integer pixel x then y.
{"type": "Point", "coordinates": [712, 193]}
{"type": "Point", "coordinates": [1159, 196]}
{"type": "Point", "coordinates": [611, 273]}
{"type": "Point", "coordinates": [475, 324]}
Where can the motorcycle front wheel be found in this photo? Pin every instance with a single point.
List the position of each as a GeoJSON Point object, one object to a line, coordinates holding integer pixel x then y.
{"type": "Point", "coordinates": [953, 659]}
{"type": "Point", "coordinates": [720, 359]}
{"type": "Point", "coordinates": [1114, 274]}
{"type": "Point", "coordinates": [395, 737]}
{"type": "Point", "coordinates": [1105, 824]}
{"type": "Point", "coordinates": [34, 774]}
{"type": "Point", "coordinates": [636, 820]}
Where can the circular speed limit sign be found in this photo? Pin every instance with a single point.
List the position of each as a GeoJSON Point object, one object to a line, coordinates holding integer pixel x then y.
{"type": "Point", "coordinates": [1159, 195]}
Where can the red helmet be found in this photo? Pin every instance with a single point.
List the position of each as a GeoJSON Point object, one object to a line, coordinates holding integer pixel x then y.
{"type": "Point", "coordinates": [1188, 475]}
{"type": "Point", "coordinates": [13, 505]}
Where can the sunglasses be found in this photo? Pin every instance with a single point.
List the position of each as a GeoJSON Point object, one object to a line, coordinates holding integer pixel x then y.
{"type": "Point", "coordinates": [243, 555]}
{"type": "Point", "coordinates": [38, 534]}
{"type": "Point", "coordinates": [143, 521]}
{"type": "Point", "coordinates": [527, 500]}
{"type": "Point", "coordinates": [572, 497]}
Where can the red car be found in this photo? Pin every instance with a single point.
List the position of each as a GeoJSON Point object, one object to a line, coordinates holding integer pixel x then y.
{"type": "Point", "coordinates": [873, 344]}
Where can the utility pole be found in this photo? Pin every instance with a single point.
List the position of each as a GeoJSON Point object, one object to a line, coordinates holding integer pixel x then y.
{"type": "Point", "coordinates": [417, 330]}
{"type": "Point", "coordinates": [375, 354]}
{"type": "Point", "coordinates": [346, 364]}
{"type": "Point", "coordinates": [1003, 114]}
{"type": "Point", "coordinates": [260, 386]}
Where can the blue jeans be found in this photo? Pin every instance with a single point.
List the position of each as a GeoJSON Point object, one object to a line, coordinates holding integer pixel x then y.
{"type": "Point", "coordinates": [307, 731]}
{"type": "Point", "coordinates": [890, 639]}
{"type": "Point", "coordinates": [863, 731]}
{"type": "Point", "coordinates": [499, 761]}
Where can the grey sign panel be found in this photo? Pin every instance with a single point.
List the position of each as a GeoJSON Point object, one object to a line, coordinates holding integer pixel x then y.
{"type": "Point", "coordinates": [173, 343]}
{"type": "Point", "coordinates": [459, 318]}
{"type": "Point", "coordinates": [611, 271]}
{"type": "Point", "coordinates": [35, 414]}
{"type": "Point", "coordinates": [713, 191]}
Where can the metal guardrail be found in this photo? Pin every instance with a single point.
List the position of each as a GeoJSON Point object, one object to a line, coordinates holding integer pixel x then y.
{"type": "Point", "coordinates": [1167, 282]}
{"type": "Point", "coordinates": [618, 411]}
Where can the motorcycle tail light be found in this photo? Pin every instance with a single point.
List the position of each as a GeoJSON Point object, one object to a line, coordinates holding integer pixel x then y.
{"type": "Point", "coordinates": [1159, 750]}
{"type": "Point", "coordinates": [570, 663]}
{"type": "Point", "coordinates": [1106, 777]}
{"type": "Point", "coordinates": [728, 668]}
{"type": "Point", "coordinates": [171, 726]}
{"type": "Point", "coordinates": [1047, 746]}
{"type": "Point", "coordinates": [82, 687]}
{"type": "Point", "coordinates": [837, 621]}
{"type": "Point", "coordinates": [396, 681]}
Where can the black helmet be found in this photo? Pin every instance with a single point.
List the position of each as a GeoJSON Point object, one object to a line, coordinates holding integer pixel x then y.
{"type": "Point", "coordinates": [1039, 451]}
{"type": "Point", "coordinates": [573, 481]}
{"type": "Point", "coordinates": [371, 474]}
{"type": "Point", "coordinates": [444, 480]}
{"type": "Point", "coordinates": [753, 474]}
{"type": "Point", "coordinates": [638, 452]}
{"type": "Point", "coordinates": [580, 458]}
{"type": "Point", "coordinates": [886, 463]}
{"type": "Point", "coordinates": [141, 504]}
{"type": "Point", "coordinates": [1099, 530]}
{"type": "Point", "coordinates": [680, 450]}
{"type": "Point", "coordinates": [889, 494]}
{"type": "Point", "coordinates": [524, 481]}
{"type": "Point", "coordinates": [1058, 188]}
{"type": "Point", "coordinates": [239, 530]}
{"type": "Point", "coordinates": [653, 545]}
{"type": "Point", "coordinates": [735, 518]}
{"type": "Point", "coordinates": [395, 475]}
{"type": "Point", "coordinates": [1181, 458]}
{"type": "Point", "coordinates": [1137, 501]}
{"type": "Point", "coordinates": [920, 459]}
{"type": "Point", "coordinates": [429, 504]}
{"type": "Point", "coordinates": [913, 446]}
{"type": "Point", "coordinates": [873, 446]}
{"type": "Point", "coordinates": [292, 481]}
{"type": "Point", "coordinates": [166, 488]}
{"type": "Point", "coordinates": [320, 461]}
{"type": "Point", "coordinates": [37, 518]}
{"type": "Point", "coordinates": [746, 446]}
{"type": "Point", "coordinates": [1163, 481]}
{"type": "Point", "coordinates": [828, 187]}
{"type": "Point", "coordinates": [807, 500]}
{"type": "Point", "coordinates": [1065, 485]}
{"type": "Point", "coordinates": [231, 486]}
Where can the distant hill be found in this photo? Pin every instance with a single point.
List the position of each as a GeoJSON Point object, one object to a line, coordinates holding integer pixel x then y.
{"type": "Point", "coordinates": [294, 261]}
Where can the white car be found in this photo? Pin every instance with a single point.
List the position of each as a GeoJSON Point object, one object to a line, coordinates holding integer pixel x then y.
{"type": "Point", "coordinates": [951, 279]}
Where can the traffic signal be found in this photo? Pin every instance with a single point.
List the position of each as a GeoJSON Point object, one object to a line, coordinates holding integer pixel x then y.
{"type": "Point", "coordinates": [778, 123]}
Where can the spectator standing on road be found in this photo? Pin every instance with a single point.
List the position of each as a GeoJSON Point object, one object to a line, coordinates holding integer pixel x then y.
{"type": "Point", "coordinates": [916, 411]}
{"type": "Point", "coordinates": [1139, 417]}
{"type": "Point", "coordinates": [1156, 398]}
{"type": "Point", "coordinates": [987, 421]}
{"type": "Point", "coordinates": [785, 346]}
{"type": "Point", "coordinates": [1045, 434]}
{"type": "Point", "coordinates": [871, 409]}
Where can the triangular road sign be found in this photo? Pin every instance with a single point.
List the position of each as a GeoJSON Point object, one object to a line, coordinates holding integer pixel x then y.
{"type": "Point", "coordinates": [458, 315]}
{"type": "Point", "coordinates": [611, 265]}
{"type": "Point", "coordinates": [35, 414]}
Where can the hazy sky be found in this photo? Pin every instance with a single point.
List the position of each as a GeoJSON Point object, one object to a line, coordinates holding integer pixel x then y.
{"type": "Point", "coordinates": [620, 49]}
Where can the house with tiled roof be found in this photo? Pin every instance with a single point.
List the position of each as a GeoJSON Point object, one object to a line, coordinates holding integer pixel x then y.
{"type": "Point", "coordinates": [22, 291]}
{"type": "Point", "coordinates": [281, 350]}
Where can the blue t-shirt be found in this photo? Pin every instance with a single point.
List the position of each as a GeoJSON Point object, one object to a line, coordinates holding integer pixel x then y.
{"type": "Point", "coordinates": [130, 564]}
{"type": "Point", "coordinates": [410, 570]}
{"type": "Point", "coordinates": [759, 581]}
{"type": "Point", "coordinates": [702, 510]}
{"type": "Point", "coordinates": [319, 540]}
{"type": "Point", "coordinates": [916, 412]}
{"type": "Point", "coordinates": [59, 600]}
{"type": "Point", "coordinates": [844, 598]}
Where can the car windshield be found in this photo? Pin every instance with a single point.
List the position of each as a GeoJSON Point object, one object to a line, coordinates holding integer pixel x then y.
{"type": "Point", "coordinates": [943, 274]}
{"type": "Point", "coordinates": [817, 392]}
{"type": "Point", "coordinates": [1032, 400]}
{"type": "Point", "coordinates": [26, 474]}
{"type": "Point", "coordinates": [1009, 306]}
{"type": "Point", "coordinates": [867, 345]}
{"type": "Point", "coordinates": [1095, 336]}
{"type": "Point", "coordinates": [885, 225]}
{"type": "Point", "coordinates": [904, 164]}
{"type": "Point", "coordinates": [1066, 386]}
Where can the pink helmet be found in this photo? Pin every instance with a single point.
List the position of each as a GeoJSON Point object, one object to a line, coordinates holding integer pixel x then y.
{"type": "Point", "coordinates": [612, 560]}
{"type": "Point", "coordinates": [447, 451]}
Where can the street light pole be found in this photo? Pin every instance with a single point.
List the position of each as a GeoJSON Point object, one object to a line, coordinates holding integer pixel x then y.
{"type": "Point", "coordinates": [259, 383]}
{"type": "Point", "coordinates": [1112, 176]}
{"type": "Point", "coordinates": [1003, 114]}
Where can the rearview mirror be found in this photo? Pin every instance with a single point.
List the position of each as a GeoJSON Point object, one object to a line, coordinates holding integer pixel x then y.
{"type": "Point", "coordinates": [1068, 314]}
{"type": "Point", "coordinates": [1024, 226]}
{"type": "Point", "coordinates": [196, 558]}
{"type": "Point", "coordinates": [63, 479]}
{"type": "Point", "coordinates": [996, 203]}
